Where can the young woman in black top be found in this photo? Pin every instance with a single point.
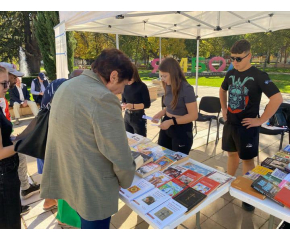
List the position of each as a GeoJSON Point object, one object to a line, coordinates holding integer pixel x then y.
{"type": "Point", "coordinates": [135, 99]}
{"type": "Point", "coordinates": [180, 110]}
{"type": "Point", "coordinates": [10, 204]}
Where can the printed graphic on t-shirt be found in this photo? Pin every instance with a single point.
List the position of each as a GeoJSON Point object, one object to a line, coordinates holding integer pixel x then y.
{"type": "Point", "coordinates": [238, 94]}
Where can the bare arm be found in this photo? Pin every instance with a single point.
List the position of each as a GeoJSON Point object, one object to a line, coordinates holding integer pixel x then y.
{"type": "Point", "coordinates": [159, 115]}
{"type": "Point", "coordinates": [192, 115]}
{"type": "Point", "coordinates": [223, 100]}
{"type": "Point", "coordinates": [273, 105]}
{"type": "Point", "coordinates": [5, 151]}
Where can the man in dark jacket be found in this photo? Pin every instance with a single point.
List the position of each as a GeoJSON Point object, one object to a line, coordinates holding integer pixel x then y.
{"type": "Point", "coordinates": [19, 95]}
{"type": "Point", "coordinates": [38, 85]}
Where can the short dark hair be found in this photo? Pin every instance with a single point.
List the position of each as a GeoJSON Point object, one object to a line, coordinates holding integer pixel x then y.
{"type": "Point", "coordinates": [241, 46]}
{"type": "Point", "coordinates": [113, 60]}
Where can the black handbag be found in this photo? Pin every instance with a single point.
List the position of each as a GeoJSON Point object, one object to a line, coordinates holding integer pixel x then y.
{"type": "Point", "coordinates": [32, 141]}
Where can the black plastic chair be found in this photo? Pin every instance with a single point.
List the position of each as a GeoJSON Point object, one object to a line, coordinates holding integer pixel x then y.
{"type": "Point", "coordinates": [208, 105]}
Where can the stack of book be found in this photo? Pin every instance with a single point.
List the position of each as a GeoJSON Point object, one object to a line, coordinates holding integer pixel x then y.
{"type": "Point", "coordinates": [270, 180]}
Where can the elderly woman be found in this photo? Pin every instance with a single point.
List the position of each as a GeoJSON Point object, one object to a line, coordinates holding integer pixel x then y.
{"type": "Point", "coordinates": [87, 155]}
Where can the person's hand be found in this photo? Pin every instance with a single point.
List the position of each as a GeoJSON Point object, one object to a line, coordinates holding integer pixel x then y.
{"type": "Point", "coordinates": [129, 106]}
{"type": "Point", "coordinates": [25, 103]}
{"type": "Point", "coordinates": [41, 93]}
{"type": "Point", "coordinates": [166, 124]}
{"type": "Point", "coordinates": [251, 122]}
{"type": "Point", "coordinates": [224, 112]}
{"type": "Point", "coordinates": [123, 105]}
{"type": "Point", "coordinates": [156, 118]}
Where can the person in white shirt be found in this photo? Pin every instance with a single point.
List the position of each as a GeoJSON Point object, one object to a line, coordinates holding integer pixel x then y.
{"type": "Point", "coordinates": [38, 86]}
{"type": "Point", "coordinates": [19, 95]}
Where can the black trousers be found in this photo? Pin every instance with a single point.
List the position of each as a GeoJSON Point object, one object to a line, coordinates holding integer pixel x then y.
{"type": "Point", "coordinates": [134, 123]}
{"type": "Point", "coordinates": [178, 138]}
{"type": "Point", "coordinates": [10, 203]}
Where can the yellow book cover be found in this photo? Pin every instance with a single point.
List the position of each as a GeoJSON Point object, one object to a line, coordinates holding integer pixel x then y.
{"type": "Point", "coordinates": [261, 170]}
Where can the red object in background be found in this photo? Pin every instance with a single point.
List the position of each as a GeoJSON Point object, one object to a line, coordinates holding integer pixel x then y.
{"type": "Point", "coordinates": [5, 107]}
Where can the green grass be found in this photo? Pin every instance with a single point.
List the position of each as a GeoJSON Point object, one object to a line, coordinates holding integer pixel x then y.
{"type": "Point", "coordinates": [282, 81]}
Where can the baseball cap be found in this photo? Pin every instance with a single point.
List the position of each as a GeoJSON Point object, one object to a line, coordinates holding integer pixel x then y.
{"type": "Point", "coordinates": [11, 68]}
{"type": "Point", "coordinates": [42, 76]}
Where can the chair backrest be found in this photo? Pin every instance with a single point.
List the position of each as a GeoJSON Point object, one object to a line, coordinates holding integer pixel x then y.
{"type": "Point", "coordinates": [210, 104]}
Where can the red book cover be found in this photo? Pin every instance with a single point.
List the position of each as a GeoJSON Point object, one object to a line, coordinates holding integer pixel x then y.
{"type": "Point", "coordinates": [189, 177]}
{"type": "Point", "coordinates": [283, 196]}
{"type": "Point", "coordinates": [205, 185]}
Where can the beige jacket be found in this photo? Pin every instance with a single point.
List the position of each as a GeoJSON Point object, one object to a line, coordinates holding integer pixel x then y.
{"type": "Point", "coordinates": [87, 155]}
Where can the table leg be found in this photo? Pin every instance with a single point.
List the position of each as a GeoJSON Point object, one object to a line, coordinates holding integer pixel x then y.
{"type": "Point", "coordinates": [271, 222]}
{"type": "Point", "coordinates": [198, 220]}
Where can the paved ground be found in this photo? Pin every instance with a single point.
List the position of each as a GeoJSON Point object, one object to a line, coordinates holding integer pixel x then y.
{"type": "Point", "coordinates": [224, 213]}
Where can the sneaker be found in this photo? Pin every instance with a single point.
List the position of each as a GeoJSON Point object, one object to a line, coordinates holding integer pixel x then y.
{"type": "Point", "coordinates": [17, 121]}
{"type": "Point", "coordinates": [25, 209]}
{"type": "Point", "coordinates": [247, 207]}
{"type": "Point", "coordinates": [33, 189]}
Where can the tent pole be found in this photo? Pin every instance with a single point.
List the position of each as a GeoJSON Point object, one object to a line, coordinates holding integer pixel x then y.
{"type": "Point", "coordinates": [117, 41]}
{"type": "Point", "coordinates": [160, 50]}
{"type": "Point", "coordinates": [197, 63]}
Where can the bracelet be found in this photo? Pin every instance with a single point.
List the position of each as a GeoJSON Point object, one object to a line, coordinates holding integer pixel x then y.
{"type": "Point", "coordinates": [133, 106]}
{"type": "Point", "coordinates": [174, 120]}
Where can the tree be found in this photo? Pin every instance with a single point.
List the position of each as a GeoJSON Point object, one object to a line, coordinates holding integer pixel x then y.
{"type": "Point", "coordinates": [44, 24]}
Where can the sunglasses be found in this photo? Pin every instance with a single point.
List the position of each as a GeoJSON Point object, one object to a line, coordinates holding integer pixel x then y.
{"type": "Point", "coordinates": [238, 59]}
{"type": "Point", "coordinates": [5, 84]}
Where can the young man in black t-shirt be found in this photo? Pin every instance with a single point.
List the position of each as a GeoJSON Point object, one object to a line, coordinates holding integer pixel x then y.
{"type": "Point", "coordinates": [245, 85]}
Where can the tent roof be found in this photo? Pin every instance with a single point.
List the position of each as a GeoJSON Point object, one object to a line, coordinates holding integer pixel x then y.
{"type": "Point", "coordinates": [206, 24]}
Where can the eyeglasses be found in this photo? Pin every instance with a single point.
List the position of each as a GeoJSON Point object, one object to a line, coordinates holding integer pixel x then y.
{"type": "Point", "coordinates": [5, 84]}
{"type": "Point", "coordinates": [238, 59]}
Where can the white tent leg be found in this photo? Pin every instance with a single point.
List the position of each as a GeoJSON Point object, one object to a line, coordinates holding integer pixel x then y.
{"type": "Point", "coordinates": [197, 62]}
{"type": "Point", "coordinates": [117, 41]}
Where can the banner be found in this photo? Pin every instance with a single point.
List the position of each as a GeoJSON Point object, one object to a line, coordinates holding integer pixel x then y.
{"type": "Point", "coordinates": [61, 51]}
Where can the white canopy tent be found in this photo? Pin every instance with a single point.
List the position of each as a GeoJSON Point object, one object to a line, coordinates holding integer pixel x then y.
{"type": "Point", "coordinates": [168, 24]}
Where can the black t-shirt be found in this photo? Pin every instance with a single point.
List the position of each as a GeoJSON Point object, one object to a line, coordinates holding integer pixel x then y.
{"type": "Point", "coordinates": [6, 130]}
{"type": "Point", "coordinates": [244, 93]}
{"type": "Point", "coordinates": [136, 93]}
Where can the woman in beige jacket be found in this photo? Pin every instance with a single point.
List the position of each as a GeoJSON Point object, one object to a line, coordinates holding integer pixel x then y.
{"type": "Point", "coordinates": [87, 155]}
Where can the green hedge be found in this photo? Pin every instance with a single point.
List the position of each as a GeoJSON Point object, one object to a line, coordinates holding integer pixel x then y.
{"type": "Point", "coordinates": [28, 80]}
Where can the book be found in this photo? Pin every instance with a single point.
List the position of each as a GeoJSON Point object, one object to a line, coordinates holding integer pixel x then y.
{"type": "Point", "coordinates": [135, 139]}
{"type": "Point", "coordinates": [272, 163]}
{"type": "Point", "coordinates": [158, 178]}
{"type": "Point", "coordinates": [282, 154]}
{"type": "Point", "coordinates": [172, 187]}
{"type": "Point", "coordinates": [174, 171]}
{"type": "Point", "coordinates": [205, 185]}
{"type": "Point", "coordinates": [283, 196]}
{"type": "Point", "coordinates": [150, 200]}
{"type": "Point", "coordinates": [189, 177]}
{"type": "Point", "coordinates": [197, 168]}
{"type": "Point", "coordinates": [147, 169]}
{"type": "Point", "coordinates": [285, 181]}
{"type": "Point", "coordinates": [267, 188]}
{"type": "Point", "coordinates": [272, 179]}
{"type": "Point", "coordinates": [140, 159]}
{"type": "Point", "coordinates": [190, 198]}
{"type": "Point", "coordinates": [279, 174]}
{"type": "Point", "coordinates": [138, 188]}
{"type": "Point", "coordinates": [151, 149]}
{"type": "Point", "coordinates": [244, 184]}
{"type": "Point", "coordinates": [179, 157]}
{"type": "Point", "coordinates": [287, 149]}
{"type": "Point", "coordinates": [166, 213]}
{"type": "Point", "coordinates": [220, 177]}
{"type": "Point", "coordinates": [164, 162]}
{"type": "Point", "coordinates": [257, 171]}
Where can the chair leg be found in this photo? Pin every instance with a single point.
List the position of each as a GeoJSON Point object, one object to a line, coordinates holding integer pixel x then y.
{"type": "Point", "coordinates": [218, 132]}
{"type": "Point", "coordinates": [281, 140]}
{"type": "Point", "coordinates": [208, 131]}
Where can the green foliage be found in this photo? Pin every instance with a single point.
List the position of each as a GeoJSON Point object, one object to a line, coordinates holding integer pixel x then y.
{"type": "Point", "coordinates": [71, 45]}
{"type": "Point", "coordinates": [44, 23]}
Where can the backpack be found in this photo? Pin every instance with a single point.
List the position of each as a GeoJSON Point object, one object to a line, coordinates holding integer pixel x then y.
{"type": "Point", "coordinates": [279, 119]}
